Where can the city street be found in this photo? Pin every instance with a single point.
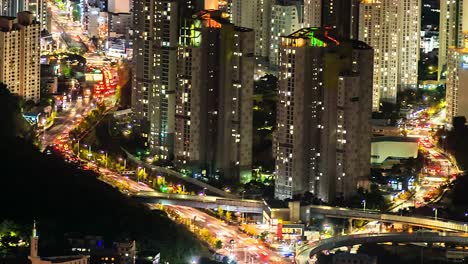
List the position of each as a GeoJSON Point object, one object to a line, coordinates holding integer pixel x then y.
{"type": "Point", "coordinates": [440, 170]}
{"type": "Point", "coordinates": [245, 249]}
{"type": "Point", "coordinates": [64, 122]}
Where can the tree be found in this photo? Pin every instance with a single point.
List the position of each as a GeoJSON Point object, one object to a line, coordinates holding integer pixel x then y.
{"type": "Point", "coordinates": [220, 211]}
{"type": "Point", "coordinates": [228, 216]}
{"type": "Point", "coordinates": [12, 122]}
{"type": "Point", "coordinates": [204, 234]}
{"type": "Point", "coordinates": [219, 244]}
{"type": "Point", "coordinates": [263, 236]}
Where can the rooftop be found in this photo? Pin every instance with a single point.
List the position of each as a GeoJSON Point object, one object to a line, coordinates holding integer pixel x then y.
{"type": "Point", "coordinates": [216, 15]}
{"type": "Point", "coordinates": [311, 36]}
{"type": "Point", "coordinates": [395, 139]}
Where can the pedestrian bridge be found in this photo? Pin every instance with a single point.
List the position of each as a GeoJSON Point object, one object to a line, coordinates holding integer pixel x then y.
{"type": "Point", "coordinates": [201, 201]}
{"type": "Point", "coordinates": [306, 254]}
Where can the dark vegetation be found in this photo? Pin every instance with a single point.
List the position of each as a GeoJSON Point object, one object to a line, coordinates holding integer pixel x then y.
{"type": "Point", "coordinates": [264, 120]}
{"type": "Point", "coordinates": [64, 199]}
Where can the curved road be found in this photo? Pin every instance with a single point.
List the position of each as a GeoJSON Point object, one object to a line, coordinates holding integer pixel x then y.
{"type": "Point", "coordinates": [306, 254]}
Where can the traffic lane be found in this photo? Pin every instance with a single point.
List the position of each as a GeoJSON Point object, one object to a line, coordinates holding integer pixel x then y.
{"type": "Point", "coordinates": [227, 233]}
{"type": "Point", "coordinates": [64, 122]}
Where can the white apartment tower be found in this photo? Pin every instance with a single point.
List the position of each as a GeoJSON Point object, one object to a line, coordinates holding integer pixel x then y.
{"type": "Point", "coordinates": [456, 85]}
{"type": "Point", "coordinates": [392, 28]}
{"type": "Point", "coordinates": [312, 13]}
{"type": "Point", "coordinates": [409, 25]}
{"type": "Point", "coordinates": [20, 55]}
{"type": "Point", "coordinates": [324, 111]}
{"type": "Point", "coordinates": [214, 98]}
{"type": "Point", "coordinates": [286, 18]}
{"type": "Point", "coordinates": [254, 14]}
{"type": "Point", "coordinates": [39, 9]}
{"type": "Point", "coordinates": [154, 79]}
{"type": "Point", "coordinates": [11, 7]}
{"type": "Point", "coordinates": [453, 23]}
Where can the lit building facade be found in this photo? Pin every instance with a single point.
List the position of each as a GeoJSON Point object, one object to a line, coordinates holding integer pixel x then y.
{"type": "Point", "coordinates": [457, 78]}
{"type": "Point", "coordinates": [255, 14]}
{"type": "Point", "coordinates": [286, 18]}
{"type": "Point", "coordinates": [323, 117]}
{"type": "Point", "coordinates": [11, 7]}
{"type": "Point", "coordinates": [392, 28]}
{"type": "Point", "coordinates": [429, 41]}
{"type": "Point", "coordinates": [119, 6]}
{"type": "Point", "coordinates": [312, 13]}
{"type": "Point", "coordinates": [213, 127]}
{"type": "Point", "coordinates": [154, 80]}
{"type": "Point", "coordinates": [39, 9]}
{"type": "Point", "coordinates": [20, 55]}
{"type": "Point", "coordinates": [409, 26]}
{"type": "Point", "coordinates": [452, 25]}
{"type": "Point", "coordinates": [342, 17]}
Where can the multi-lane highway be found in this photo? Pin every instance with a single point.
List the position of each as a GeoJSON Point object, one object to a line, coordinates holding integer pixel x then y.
{"type": "Point", "coordinates": [242, 247]}
{"type": "Point", "coordinates": [439, 167]}
{"type": "Point", "coordinates": [307, 253]}
{"type": "Point", "coordinates": [65, 121]}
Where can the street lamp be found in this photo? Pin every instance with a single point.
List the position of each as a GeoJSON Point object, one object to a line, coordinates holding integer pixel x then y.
{"type": "Point", "coordinates": [105, 152]}
{"type": "Point", "coordinates": [90, 154]}
{"type": "Point", "coordinates": [138, 173]}
{"type": "Point", "coordinates": [44, 122]}
{"type": "Point", "coordinates": [243, 194]}
{"type": "Point", "coordinates": [435, 213]}
{"type": "Point", "coordinates": [125, 163]}
{"type": "Point", "coordinates": [363, 202]}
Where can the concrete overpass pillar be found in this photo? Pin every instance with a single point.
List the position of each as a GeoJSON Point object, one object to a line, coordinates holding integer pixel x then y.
{"type": "Point", "coordinates": [350, 225]}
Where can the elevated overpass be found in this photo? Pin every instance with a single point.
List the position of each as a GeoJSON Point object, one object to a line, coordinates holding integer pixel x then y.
{"type": "Point", "coordinates": [306, 254]}
{"type": "Point", "coordinates": [256, 207]}
{"type": "Point", "coordinates": [202, 202]}
{"type": "Point", "coordinates": [345, 213]}
{"type": "Point", "coordinates": [172, 173]}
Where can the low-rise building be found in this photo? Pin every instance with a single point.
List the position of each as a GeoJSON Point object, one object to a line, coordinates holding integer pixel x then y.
{"type": "Point", "coordinates": [380, 131]}
{"type": "Point", "coordinates": [36, 259]}
{"type": "Point", "coordinates": [395, 148]}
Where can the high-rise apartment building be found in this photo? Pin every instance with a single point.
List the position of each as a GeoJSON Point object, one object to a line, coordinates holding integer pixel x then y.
{"type": "Point", "coordinates": [213, 127]}
{"type": "Point", "coordinates": [119, 6]}
{"type": "Point", "coordinates": [457, 78]}
{"type": "Point", "coordinates": [312, 13]}
{"type": "Point", "coordinates": [286, 18]}
{"type": "Point", "coordinates": [452, 25]}
{"type": "Point", "coordinates": [254, 14]}
{"type": "Point", "coordinates": [39, 9]}
{"type": "Point", "coordinates": [409, 26]}
{"type": "Point", "coordinates": [12, 7]}
{"type": "Point", "coordinates": [324, 112]}
{"type": "Point", "coordinates": [154, 80]}
{"type": "Point", "coordinates": [342, 16]}
{"type": "Point", "coordinates": [392, 28]}
{"type": "Point", "coordinates": [20, 55]}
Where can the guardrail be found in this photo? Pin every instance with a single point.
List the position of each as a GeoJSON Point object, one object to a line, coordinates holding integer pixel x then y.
{"type": "Point", "coordinates": [176, 174]}
{"type": "Point", "coordinates": [202, 198]}
{"type": "Point", "coordinates": [375, 215]}
{"type": "Point", "coordinates": [201, 203]}
{"type": "Point", "coordinates": [307, 252]}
